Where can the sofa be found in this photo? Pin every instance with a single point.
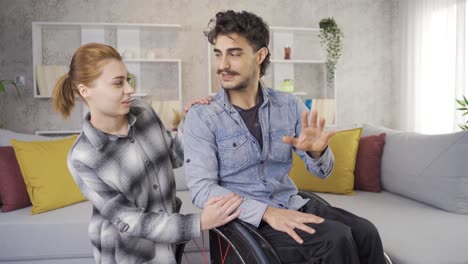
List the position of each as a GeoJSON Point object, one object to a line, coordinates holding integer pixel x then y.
{"type": "Point", "coordinates": [61, 236]}
{"type": "Point", "coordinates": [426, 225]}
{"type": "Point", "coordinates": [422, 210]}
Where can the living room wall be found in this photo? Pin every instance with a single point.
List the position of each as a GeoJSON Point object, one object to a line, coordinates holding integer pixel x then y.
{"type": "Point", "coordinates": [364, 79]}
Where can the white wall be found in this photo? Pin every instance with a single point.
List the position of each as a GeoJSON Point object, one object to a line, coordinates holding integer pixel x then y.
{"type": "Point", "coordinates": [365, 73]}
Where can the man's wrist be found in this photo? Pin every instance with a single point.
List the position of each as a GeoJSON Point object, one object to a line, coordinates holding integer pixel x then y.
{"type": "Point", "coordinates": [316, 154]}
{"type": "Point", "coordinates": [265, 214]}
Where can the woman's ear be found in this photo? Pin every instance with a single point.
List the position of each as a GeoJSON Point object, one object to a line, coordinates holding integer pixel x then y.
{"type": "Point", "coordinates": [83, 90]}
{"type": "Point", "coordinates": [262, 54]}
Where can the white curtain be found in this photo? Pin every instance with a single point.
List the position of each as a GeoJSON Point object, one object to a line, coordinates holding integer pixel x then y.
{"type": "Point", "coordinates": [432, 69]}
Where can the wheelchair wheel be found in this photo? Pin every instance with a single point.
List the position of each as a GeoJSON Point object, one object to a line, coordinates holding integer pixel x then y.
{"type": "Point", "coordinates": [387, 259]}
{"type": "Point", "coordinates": [312, 196]}
{"type": "Point", "coordinates": [235, 243]}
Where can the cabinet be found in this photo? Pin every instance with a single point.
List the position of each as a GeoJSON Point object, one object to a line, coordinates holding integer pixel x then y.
{"type": "Point", "coordinates": [148, 50]}
{"type": "Point", "coordinates": [304, 67]}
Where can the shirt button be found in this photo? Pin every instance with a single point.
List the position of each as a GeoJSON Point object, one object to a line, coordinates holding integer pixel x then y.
{"type": "Point", "coordinates": [155, 186]}
{"type": "Point", "coordinates": [261, 162]}
{"type": "Point", "coordinates": [270, 196]}
{"type": "Point", "coordinates": [234, 144]}
{"type": "Point", "coordinates": [147, 163]}
{"type": "Point", "coordinates": [187, 160]}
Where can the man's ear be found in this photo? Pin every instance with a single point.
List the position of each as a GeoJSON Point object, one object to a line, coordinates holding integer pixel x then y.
{"type": "Point", "coordinates": [83, 90]}
{"type": "Point", "coordinates": [262, 54]}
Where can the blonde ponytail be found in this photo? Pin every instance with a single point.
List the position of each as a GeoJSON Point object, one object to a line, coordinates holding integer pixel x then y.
{"type": "Point", "coordinates": [64, 96]}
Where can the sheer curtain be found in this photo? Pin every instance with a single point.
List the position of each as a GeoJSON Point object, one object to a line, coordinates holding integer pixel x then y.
{"type": "Point", "coordinates": [432, 70]}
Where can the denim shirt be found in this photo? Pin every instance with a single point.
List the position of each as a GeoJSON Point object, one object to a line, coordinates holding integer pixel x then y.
{"type": "Point", "coordinates": [222, 156]}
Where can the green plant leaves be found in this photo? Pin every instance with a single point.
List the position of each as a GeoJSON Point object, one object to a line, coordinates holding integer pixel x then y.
{"type": "Point", "coordinates": [330, 38]}
{"type": "Point", "coordinates": [3, 84]}
{"type": "Point", "coordinates": [464, 107]}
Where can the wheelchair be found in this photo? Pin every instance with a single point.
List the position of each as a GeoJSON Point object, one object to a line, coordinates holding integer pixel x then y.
{"type": "Point", "coordinates": [240, 242]}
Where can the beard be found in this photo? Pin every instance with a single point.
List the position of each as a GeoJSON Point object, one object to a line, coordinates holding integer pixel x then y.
{"type": "Point", "coordinates": [243, 84]}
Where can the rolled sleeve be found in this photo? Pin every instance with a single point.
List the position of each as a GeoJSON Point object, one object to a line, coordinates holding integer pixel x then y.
{"type": "Point", "coordinates": [252, 211]}
{"type": "Point", "coordinates": [323, 166]}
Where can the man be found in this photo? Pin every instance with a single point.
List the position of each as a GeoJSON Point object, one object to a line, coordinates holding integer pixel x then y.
{"type": "Point", "coordinates": [242, 142]}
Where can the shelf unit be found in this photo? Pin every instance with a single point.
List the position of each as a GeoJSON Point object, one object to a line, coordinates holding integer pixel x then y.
{"type": "Point", "coordinates": [148, 50]}
{"type": "Point", "coordinates": [55, 42]}
{"type": "Point", "coordinates": [57, 132]}
{"type": "Point", "coordinates": [298, 61]}
{"type": "Point", "coordinates": [306, 67]}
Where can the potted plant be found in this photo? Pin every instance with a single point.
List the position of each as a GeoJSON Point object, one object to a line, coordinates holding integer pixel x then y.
{"type": "Point", "coordinates": [330, 38]}
{"type": "Point", "coordinates": [464, 108]}
{"type": "Point", "coordinates": [3, 85]}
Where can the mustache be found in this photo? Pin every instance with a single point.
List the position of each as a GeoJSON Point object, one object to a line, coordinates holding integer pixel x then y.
{"type": "Point", "coordinates": [227, 71]}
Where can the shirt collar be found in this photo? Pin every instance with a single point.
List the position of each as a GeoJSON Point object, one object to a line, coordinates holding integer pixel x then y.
{"type": "Point", "coordinates": [98, 138]}
{"type": "Point", "coordinates": [228, 106]}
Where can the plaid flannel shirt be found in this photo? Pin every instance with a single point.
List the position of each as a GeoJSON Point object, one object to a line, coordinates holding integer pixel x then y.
{"type": "Point", "coordinates": [130, 182]}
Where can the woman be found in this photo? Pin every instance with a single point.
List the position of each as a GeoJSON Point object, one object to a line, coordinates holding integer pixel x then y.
{"type": "Point", "coordinates": [122, 162]}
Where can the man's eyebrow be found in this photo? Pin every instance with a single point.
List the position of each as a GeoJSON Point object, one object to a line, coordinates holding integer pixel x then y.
{"type": "Point", "coordinates": [229, 50]}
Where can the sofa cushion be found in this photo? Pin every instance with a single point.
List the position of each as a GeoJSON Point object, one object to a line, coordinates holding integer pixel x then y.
{"type": "Point", "coordinates": [52, 261]}
{"type": "Point", "coordinates": [368, 163]}
{"type": "Point", "coordinates": [344, 146]}
{"type": "Point", "coordinates": [7, 135]}
{"type": "Point", "coordinates": [13, 193]}
{"type": "Point", "coordinates": [45, 172]}
{"type": "Point", "coordinates": [428, 168]}
{"type": "Point", "coordinates": [411, 232]}
{"type": "Point", "coordinates": [56, 234]}
{"type": "Point", "coordinates": [66, 233]}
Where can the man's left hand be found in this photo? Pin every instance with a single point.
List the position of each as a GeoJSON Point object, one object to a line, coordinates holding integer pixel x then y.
{"type": "Point", "coordinates": [313, 138]}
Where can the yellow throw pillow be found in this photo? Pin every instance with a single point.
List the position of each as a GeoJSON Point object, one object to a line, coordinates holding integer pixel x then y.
{"type": "Point", "coordinates": [45, 172]}
{"type": "Point", "coordinates": [344, 146]}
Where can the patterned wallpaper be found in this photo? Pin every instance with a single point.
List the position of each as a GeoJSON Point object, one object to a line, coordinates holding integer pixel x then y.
{"type": "Point", "coordinates": [365, 74]}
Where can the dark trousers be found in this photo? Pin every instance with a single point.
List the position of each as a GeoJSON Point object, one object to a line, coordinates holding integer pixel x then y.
{"type": "Point", "coordinates": [342, 238]}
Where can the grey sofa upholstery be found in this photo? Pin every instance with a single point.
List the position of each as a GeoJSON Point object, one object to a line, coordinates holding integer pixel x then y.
{"type": "Point", "coordinates": [412, 231]}
{"type": "Point", "coordinates": [61, 236]}
{"type": "Point", "coordinates": [422, 212]}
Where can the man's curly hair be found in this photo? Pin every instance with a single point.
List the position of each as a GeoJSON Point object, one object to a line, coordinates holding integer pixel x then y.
{"type": "Point", "coordinates": [244, 23]}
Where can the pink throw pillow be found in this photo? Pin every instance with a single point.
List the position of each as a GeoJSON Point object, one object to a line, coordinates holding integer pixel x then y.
{"type": "Point", "coordinates": [368, 161]}
{"type": "Point", "coordinates": [13, 193]}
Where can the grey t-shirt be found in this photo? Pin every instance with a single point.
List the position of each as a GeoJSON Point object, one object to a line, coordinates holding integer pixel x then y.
{"type": "Point", "coordinates": [251, 120]}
